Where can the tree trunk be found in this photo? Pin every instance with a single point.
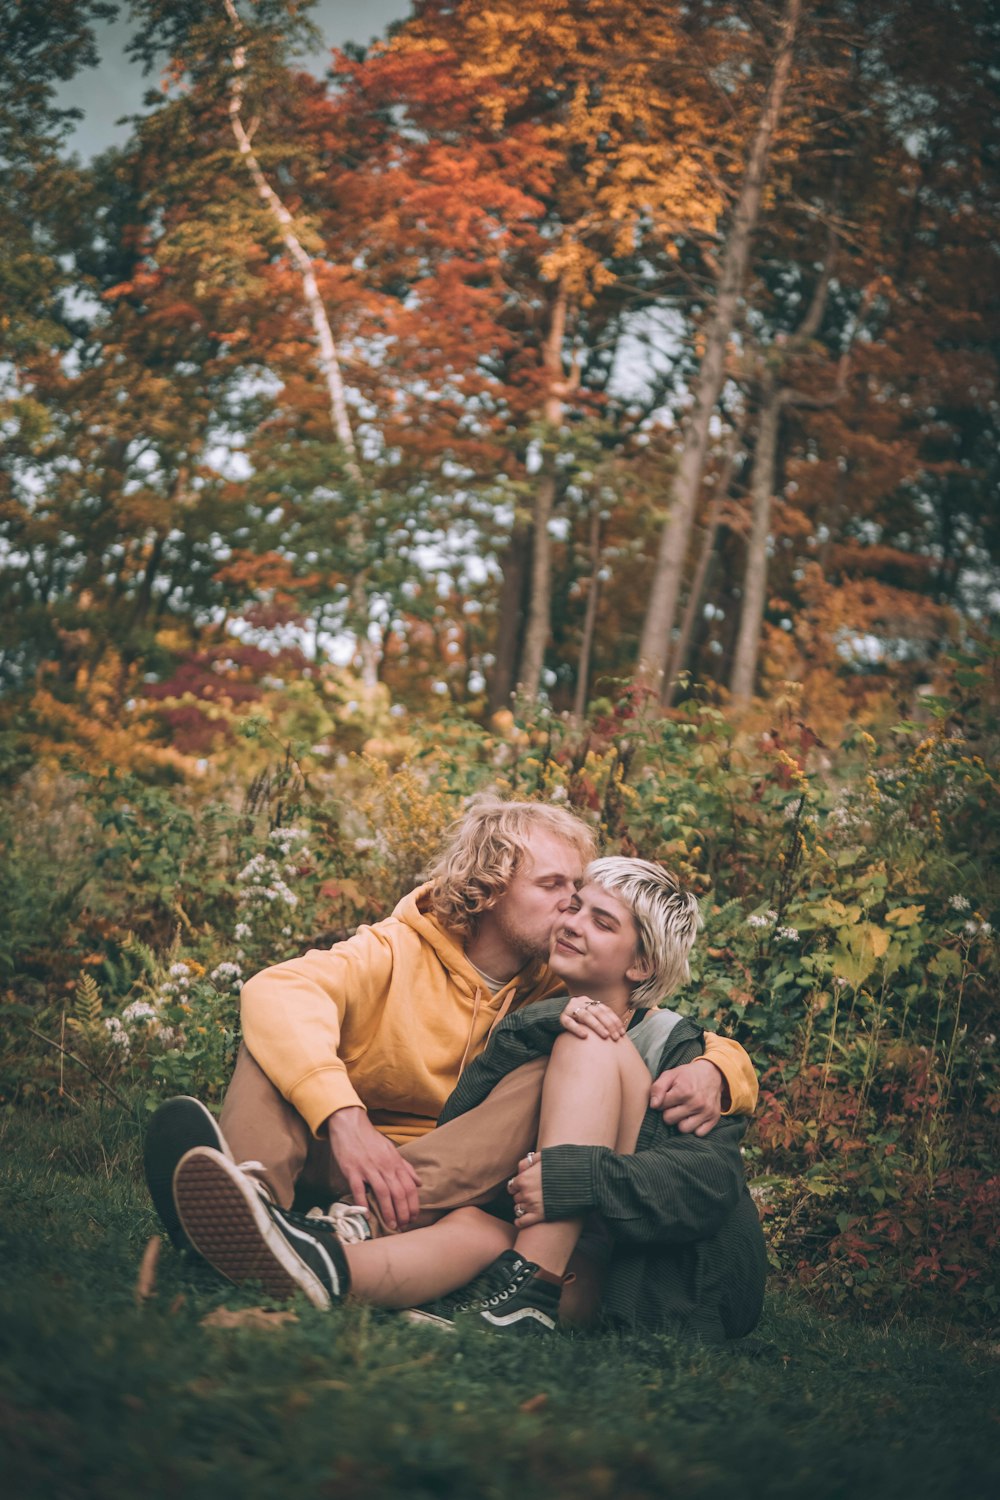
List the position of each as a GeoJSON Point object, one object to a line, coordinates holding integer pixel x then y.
{"type": "Point", "coordinates": [328, 359]}
{"type": "Point", "coordinates": [754, 593]}
{"type": "Point", "coordinates": [682, 646]}
{"type": "Point", "coordinates": [774, 396]}
{"type": "Point", "coordinates": [536, 633]}
{"type": "Point", "coordinates": [662, 608]}
{"type": "Point", "coordinates": [590, 615]}
{"type": "Point", "coordinates": [510, 609]}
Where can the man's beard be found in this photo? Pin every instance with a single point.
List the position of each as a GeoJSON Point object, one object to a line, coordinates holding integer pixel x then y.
{"type": "Point", "coordinates": [529, 949]}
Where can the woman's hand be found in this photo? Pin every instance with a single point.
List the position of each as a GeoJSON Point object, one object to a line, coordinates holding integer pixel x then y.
{"type": "Point", "coordinates": [581, 1016]}
{"type": "Point", "coordinates": [526, 1190]}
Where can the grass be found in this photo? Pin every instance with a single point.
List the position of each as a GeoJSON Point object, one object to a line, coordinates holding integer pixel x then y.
{"type": "Point", "coordinates": [101, 1396]}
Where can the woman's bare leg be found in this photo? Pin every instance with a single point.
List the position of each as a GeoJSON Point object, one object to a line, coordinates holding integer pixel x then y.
{"type": "Point", "coordinates": [403, 1270]}
{"type": "Point", "coordinates": [596, 1093]}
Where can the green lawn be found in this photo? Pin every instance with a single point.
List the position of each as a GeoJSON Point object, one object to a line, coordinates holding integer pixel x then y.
{"type": "Point", "coordinates": [101, 1397]}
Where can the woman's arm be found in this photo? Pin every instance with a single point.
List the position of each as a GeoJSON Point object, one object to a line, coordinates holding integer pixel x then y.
{"type": "Point", "coordinates": [678, 1190]}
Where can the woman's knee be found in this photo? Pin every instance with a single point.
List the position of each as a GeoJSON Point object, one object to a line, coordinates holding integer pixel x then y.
{"type": "Point", "coordinates": [599, 1054]}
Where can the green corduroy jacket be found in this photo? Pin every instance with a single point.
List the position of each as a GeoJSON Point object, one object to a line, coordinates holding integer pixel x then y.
{"type": "Point", "coordinates": [688, 1253]}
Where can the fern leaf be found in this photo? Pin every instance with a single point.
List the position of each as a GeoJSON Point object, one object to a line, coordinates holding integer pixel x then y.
{"type": "Point", "coordinates": [87, 1004]}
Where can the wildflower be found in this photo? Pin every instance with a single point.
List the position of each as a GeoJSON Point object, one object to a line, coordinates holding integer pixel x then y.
{"type": "Point", "coordinates": [117, 1033]}
{"type": "Point", "coordinates": [757, 921]}
{"type": "Point", "coordinates": [840, 983]}
{"type": "Point", "coordinates": [227, 973]}
{"type": "Point", "coordinates": [985, 929]}
{"type": "Point", "coordinates": [790, 934]}
{"type": "Point", "coordinates": [971, 928]}
{"type": "Point", "coordinates": [285, 837]}
{"type": "Point", "coordinates": [243, 930]}
{"type": "Point", "coordinates": [139, 1010]}
{"type": "Point", "coordinates": [958, 903]}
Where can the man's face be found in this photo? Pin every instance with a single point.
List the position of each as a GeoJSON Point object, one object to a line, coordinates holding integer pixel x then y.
{"type": "Point", "coordinates": [540, 891]}
{"type": "Point", "coordinates": [594, 943]}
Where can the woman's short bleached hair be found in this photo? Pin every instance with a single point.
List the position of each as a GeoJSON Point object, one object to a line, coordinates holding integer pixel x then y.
{"type": "Point", "coordinates": [486, 848]}
{"type": "Point", "coordinates": [666, 917]}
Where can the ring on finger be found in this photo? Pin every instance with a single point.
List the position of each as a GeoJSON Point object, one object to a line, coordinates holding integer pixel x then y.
{"type": "Point", "coordinates": [519, 1211]}
{"type": "Point", "coordinates": [530, 1157]}
{"type": "Point", "coordinates": [510, 1184]}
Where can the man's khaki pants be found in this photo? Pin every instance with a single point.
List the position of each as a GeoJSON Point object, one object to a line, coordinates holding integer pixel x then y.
{"type": "Point", "coordinates": [463, 1163]}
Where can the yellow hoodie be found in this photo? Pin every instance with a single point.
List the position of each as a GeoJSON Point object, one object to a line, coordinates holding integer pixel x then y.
{"type": "Point", "coordinates": [388, 1019]}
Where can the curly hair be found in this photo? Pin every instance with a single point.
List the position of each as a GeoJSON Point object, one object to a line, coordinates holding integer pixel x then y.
{"type": "Point", "coordinates": [484, 851]}
{"type": "Point", "coordinates": [666, 917]}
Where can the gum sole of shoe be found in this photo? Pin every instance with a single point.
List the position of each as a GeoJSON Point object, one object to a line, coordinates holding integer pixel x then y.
{"type": "Point", "coordinates": [429, 1320]}
{"type": "Point", "coordinates": [175, 1129]}
{"type": "Point", "coordinates": [229, 1226]}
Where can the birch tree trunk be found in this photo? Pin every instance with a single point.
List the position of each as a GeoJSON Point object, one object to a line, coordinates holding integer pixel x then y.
{"type": "Point", "coordinates": [536, 632]}
{"type": "Point", "coordinates": [327, 357]}
{"type": "Point", "coordinates": [654, 643]}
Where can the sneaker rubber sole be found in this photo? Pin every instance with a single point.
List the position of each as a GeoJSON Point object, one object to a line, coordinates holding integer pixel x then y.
{"type": "Point", "coordinates": [177, 1127]}
{"type": "Point", "coordinates": [430, 1319]}
{"type": "Point", "coordinates": [229, 1225]}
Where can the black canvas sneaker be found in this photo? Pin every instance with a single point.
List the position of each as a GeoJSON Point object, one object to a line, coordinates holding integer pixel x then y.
{"type": "Point", "coordinates": [512, 1294]}
{"type": "Point", "coordinates": [175, 1129]}
{"type": "Point", "coordinates": [527, 1301]}
{"type": "Point", "coordinates": [247, 1238]}
{"type": "Point", "coordinates": [465, 1299]}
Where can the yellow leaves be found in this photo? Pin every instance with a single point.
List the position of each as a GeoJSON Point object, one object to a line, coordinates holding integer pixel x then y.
{"type": "Point", "coordinates": [879, 940]}
{"type": "Point", "coordinates": [904, 916]}
{"type": "Point", "coordinates": [857, 953]}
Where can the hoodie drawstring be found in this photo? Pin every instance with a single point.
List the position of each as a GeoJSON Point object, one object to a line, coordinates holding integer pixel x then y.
{"type": "Point", "coordinates": [472, 1030]}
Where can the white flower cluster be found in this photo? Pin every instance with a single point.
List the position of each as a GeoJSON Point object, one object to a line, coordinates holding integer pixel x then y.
{"type": "Point", "coordinates": [262, 883]}
{"type": "Point", "coordinates": [763, 920]}
{"type": "Point", "coordinates": [958, 903]}
{"type": "Point", "coordinates": [227, 976]}
{"type": "Point", "coordinates": [790, 934]}
{"type": "Point", "coordinates": [287, 842]}
{"type": "Point", "coordinates": [143, 1018]}
{"type": "Point", "coordinates": [977, 929]}
{"type": "Point", "coordinates": [117, 1033]}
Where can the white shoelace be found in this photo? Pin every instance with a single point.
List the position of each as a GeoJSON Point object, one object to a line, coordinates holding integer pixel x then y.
{"type": "Point", "coordinates": [349, 1222]}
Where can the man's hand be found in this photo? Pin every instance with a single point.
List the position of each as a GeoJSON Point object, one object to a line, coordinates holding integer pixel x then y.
{"type": "Point", "coordinates": [368, 1160]}
{"type": "Point", "coordinates": [690, 1096]}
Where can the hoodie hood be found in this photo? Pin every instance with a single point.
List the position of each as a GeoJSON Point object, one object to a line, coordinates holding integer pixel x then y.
{"type": "Point", "coordinates": [533, 982]}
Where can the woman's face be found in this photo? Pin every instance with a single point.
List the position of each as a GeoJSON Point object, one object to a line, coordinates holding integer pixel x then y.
{"type": "Point", "coordinates": [594, 943]}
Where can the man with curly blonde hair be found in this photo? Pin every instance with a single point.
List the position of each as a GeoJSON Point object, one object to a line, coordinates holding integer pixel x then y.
{"type": "Point", "coordinates": [349, 1053]}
